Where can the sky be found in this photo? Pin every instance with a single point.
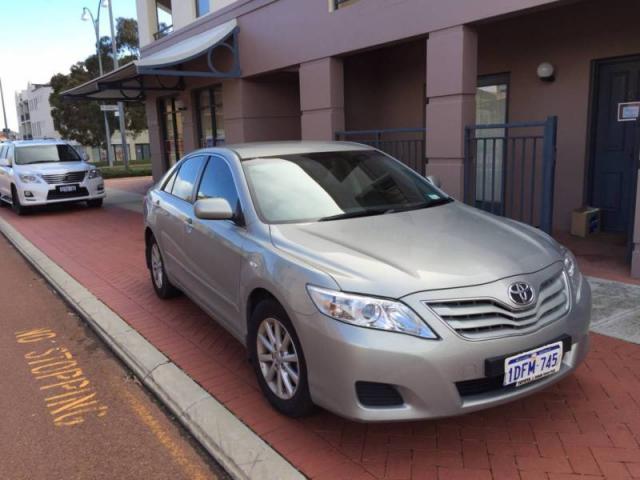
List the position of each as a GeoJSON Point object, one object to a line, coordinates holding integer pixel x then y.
{"type": "Point", "coordinates": [39, 38]}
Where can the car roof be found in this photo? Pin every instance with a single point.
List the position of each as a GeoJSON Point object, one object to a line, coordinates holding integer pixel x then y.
{"type": "Point", "coordinates": [270, 149]}
{"type": "Point", "coordinates": [26, 143]}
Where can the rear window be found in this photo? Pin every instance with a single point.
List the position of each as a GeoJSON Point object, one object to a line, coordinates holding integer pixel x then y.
{"type": "Point", "coordinates": [45, 154]}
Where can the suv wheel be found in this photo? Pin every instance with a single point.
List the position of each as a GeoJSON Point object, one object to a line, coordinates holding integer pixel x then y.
{"type": "Point", "coordinates": [161, 284]}
{"type": "Point", "coordinates": [278, 360]}
{"type": "Point", "coordinates": [18, 208]}
{"type": "Point", "coordinates": [96, 203]}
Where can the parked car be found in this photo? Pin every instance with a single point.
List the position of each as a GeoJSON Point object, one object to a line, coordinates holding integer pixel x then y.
{"type": "Point", "coordinates": [42, 172]}
{"type": "Point", "coordinates": [358, 285]}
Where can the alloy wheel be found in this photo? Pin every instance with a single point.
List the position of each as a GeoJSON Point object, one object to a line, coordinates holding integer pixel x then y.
{"type": "Point", "coordinates": [278, 358]}
{"type": "Point", "coordinates": [156, 266]}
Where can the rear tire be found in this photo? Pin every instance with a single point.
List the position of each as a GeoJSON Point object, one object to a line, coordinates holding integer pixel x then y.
{"type": "Point", "coordinates": [161, 284]}
{"type": "Point", "coordinates": [95, 203]}
{"type": "Point", "coordinates": [17, 207]}
{"type": "Point", "coordinates": [278, 360]}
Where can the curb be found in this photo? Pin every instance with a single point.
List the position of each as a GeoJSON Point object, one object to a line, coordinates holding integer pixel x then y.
{"type": "Point", "coordinates": [242, 453]}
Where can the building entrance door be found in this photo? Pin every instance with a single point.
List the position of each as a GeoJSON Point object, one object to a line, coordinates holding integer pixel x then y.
{"type": "Point", "coordinates": [613, 161]}
{"type": "Point", "coordinates": [172, 131]}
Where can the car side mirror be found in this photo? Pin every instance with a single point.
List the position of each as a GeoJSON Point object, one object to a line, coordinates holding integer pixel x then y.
{"type": "Point", "coordinates": [213, 209]}
{"type": "Point", "coordinates": [4, 162]}
{"type": "Point", "coordinates": [85, 156]}
{"type": "Point", "coordinates": [435, 181]}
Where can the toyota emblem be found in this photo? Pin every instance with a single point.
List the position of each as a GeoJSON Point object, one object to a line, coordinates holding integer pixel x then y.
{"type": "Point", "coordinates": [521, 293]}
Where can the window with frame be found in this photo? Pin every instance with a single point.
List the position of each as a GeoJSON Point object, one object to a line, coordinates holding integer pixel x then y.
{"type": "Point", "coordinates": [186, 177]}
{"type": "Point", "coordinates": [202, 7]}
{"type": "Point", "coordinates": [217, 182]}
{"type": "Point", "coordinates": [210, 116]}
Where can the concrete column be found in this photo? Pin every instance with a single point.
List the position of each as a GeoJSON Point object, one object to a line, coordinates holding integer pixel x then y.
{"type": "Point", "coordinates": [147, 21]}
{"type": "Point", "coordinates": [158, 167]}
{"type": "Point", "coordinates": [322, 98]}
{"type": "Point", "coordinates": [452, 58]}
{"type": "Point", "coordinates": [261, 110]}
{"type": "Point", "coordinates": [635, 258]}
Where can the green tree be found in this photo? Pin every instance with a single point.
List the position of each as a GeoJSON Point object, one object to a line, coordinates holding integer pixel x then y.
{"type": "Point", "coordinates": [82, 120]}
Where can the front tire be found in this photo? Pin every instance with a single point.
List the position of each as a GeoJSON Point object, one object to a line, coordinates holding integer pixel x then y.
{"type": "Point", "coordinates": [17, 207]}
{"type": "Point", "coordinates": [95, 203]}
{"type": "Point", "coordinates": [161, 284]}
{"type": "Point", "coordinates": [278, 360]}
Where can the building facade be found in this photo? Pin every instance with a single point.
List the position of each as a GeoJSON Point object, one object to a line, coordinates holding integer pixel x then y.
{"type": "Point", "coordinates": [34, 112]}
{"type": "Point", "coordinates": [521, 107]}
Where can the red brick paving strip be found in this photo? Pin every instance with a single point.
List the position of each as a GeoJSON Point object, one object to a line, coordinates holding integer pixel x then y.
{"type": "Point", "coordinates": [588, 424]}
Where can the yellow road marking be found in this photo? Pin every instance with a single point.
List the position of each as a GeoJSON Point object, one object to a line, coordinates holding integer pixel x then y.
{"type": "Point", "coordinates": [176, 452]}
{"type": "Point", "coordinates": [74, 400]}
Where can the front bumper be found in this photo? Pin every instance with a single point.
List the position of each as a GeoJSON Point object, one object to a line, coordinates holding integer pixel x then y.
{"type": "Point", "coordinates": [425, 372]}
{"type": "Point", "coordinates": [45, 194]}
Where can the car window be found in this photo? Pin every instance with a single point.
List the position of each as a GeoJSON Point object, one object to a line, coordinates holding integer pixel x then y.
{"type": "Point", "coordinates": [217, 182]}
{"type": "Point", "coordinates": [168, 184]}
{"type": "Point", "coordinates": [2, 150]}
{"type": "Point", "coordinates": [28, 155]}
{"type": "Point", "coordinates": [186, 178]}
{"type": "Point", "coordinates": [332, 185]}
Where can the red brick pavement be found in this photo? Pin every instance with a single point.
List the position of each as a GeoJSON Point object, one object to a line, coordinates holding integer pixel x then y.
{"type": "Point", "coordinates": [588, 424]}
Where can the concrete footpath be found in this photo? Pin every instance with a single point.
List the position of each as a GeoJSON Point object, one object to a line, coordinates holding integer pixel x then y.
{"type": "Point", "coordinates": [587, 424]}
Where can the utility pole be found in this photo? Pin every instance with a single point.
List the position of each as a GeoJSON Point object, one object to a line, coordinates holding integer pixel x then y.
{"type": "Point", "coordinates": [86, 15]}
{"type": "Point", "coordinates": [123, 125]}
{"type": "Point", "coordinates": [4, 110]}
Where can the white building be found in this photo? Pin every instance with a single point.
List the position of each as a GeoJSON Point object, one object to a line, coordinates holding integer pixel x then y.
{"type": "Point", "coordinates": [34, 112]}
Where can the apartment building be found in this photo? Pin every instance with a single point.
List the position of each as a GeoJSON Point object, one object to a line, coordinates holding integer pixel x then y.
{"type": "Point", "coordinates": [34, 112]}
{"type": "Point", "coordinates": [526, 108]}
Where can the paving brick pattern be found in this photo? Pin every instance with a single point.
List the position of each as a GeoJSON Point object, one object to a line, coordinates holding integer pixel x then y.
{"type": "Point", "coordinates": [587, 425]}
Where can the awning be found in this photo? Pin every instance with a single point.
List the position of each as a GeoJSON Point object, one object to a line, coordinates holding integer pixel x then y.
{"type": "Point", "coordinates": [131, 81]}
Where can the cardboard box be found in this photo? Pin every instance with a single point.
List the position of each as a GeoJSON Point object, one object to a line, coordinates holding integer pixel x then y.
{"type": "Point", "coordinates": [585, 221]}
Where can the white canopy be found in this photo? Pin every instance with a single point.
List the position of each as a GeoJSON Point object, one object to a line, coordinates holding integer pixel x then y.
{"type": "Point", "coordinates": [130, 81]}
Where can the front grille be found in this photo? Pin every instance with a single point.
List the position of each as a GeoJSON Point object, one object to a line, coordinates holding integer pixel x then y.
{"type": "Point", "coordinates": [371, 394]}
{"type": "Point", "coordinates": [56, 195]}
{"type": "Point", "coordinates": [481, 319]}
{"type": "Point", "coordinates": [70, 177]}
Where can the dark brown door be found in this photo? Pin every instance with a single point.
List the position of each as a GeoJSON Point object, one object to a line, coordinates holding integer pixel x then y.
{"type": "Point", "coordinates": [613, 167]}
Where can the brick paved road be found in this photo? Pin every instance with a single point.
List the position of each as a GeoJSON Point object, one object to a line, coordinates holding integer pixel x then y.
{"type": "Point", "coordinates": [588, 424]}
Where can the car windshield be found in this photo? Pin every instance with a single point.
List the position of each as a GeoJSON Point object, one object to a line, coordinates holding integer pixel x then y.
{"type": "Point", "coordinates": [328, 186]}
{"type": "Point", "coordinates": [46, 154]}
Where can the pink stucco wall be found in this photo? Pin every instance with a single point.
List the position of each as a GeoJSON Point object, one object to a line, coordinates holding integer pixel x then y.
{"type": "Point", "coordinates": [569, 37]}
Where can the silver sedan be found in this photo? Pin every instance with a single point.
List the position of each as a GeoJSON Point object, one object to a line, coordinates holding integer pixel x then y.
{"type": "Point", "coordinates": [360, 286]}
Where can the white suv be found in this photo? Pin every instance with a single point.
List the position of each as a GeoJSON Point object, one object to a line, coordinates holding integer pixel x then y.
{"type": "Point", "coordinates": [41, 172]}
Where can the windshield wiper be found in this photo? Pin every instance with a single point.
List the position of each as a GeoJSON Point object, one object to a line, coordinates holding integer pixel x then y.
{"type": "Point", "coordinates": [356, 213]}
{"type": "Point", "coordinates": [428, 204]}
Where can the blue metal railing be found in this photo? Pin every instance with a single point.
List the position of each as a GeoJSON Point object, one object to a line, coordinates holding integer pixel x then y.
{"type": "Point", "coordinates": [405, 144]}
{"type": "Point", "coordinates": [510, 170]}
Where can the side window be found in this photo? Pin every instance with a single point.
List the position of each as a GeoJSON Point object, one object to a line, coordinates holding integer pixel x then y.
{"type": "Point", "coordinates": [2, 150]}
{"type": "Point", "coordinates": [217, 182]}
{"type": "Point", "coordinates": [186, 178]}
{"type": "Point", "coordinates": [168, 184]}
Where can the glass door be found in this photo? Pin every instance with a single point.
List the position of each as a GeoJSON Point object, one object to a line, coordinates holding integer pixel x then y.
{"type": "Point", "coordinates": [210, 116]}
{"type": "Point", "coordinates": [172, 131]}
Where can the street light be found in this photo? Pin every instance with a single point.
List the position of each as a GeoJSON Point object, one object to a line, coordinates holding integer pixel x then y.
{"type": "Point", "coordinates": [95, 20]}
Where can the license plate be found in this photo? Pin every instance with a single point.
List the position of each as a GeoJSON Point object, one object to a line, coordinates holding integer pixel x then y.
{"type": "Point", "coordinates": [68, 188]}
{"type": "Point", "coordinates": [528, 366]}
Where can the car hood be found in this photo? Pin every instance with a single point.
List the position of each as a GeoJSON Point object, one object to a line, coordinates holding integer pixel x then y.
{"type": "Point", "coordinates": [54, 167]}
{"type": "Point", "coordinates": [397, 254]}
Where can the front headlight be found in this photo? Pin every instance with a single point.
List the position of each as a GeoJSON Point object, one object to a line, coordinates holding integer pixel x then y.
{"type": "Point", "coordinates": [95, 173]}
{"type": "Point", "coordinates": [570, 263]}
{"type": "Point", "coordinates": [29, 178]}
{"type": "Point", "coordinates": [370, 312]}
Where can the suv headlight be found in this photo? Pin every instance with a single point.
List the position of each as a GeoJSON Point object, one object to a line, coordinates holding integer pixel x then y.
{"type": "Point", "coordinates": [369, 312]}
{"type": "Point", "coordinates": [95, 173]}
{"type": "Point", "coordinates": [29, 178]}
